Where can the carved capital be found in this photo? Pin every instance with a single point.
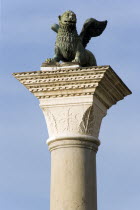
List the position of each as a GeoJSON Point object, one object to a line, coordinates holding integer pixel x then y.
{"type": "Point", "coordinates": [74, 100]}
{"type": "Point", "coordinates": [77, 116]}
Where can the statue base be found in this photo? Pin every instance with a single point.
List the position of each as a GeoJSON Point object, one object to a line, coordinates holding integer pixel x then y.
{"type": "Point", "coordinates": [56, 66]}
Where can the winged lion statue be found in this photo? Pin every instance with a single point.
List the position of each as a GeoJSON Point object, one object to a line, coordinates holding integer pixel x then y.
{"type": "Point", "coordinates": [69, 46]}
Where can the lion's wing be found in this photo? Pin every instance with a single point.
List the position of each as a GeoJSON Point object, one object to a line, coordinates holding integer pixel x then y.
{"type": "Point", "coordinates": [92, 28]}
{"type": "Point", "coordinates": [55, 27]}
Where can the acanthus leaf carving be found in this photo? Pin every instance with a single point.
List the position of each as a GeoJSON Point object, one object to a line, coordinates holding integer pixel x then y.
{"type": "Point", "coordinates": [78, 119]}
{"type": "Point", "coordinates": [91, 121]}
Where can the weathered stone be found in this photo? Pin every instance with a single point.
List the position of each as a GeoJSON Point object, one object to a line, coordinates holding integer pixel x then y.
{"type": "Point", "coordinates": [74, 102]}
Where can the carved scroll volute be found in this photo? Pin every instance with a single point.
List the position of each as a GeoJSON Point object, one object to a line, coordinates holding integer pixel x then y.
{"type": "Point", "coordinates": [83, 119]}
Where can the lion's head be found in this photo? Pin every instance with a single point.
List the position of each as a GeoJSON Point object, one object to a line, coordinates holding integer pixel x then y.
{"type": "Point", "coordinates": [68, 18]}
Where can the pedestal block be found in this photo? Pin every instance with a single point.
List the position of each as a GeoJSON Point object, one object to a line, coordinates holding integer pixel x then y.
{"type": "Point", "coordinates": [74, 101]}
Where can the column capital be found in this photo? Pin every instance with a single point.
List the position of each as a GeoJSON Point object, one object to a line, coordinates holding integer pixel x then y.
{"type": "Point", "coordinates": [74, 100]}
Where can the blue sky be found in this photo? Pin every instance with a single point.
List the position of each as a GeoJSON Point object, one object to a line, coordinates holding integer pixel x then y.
{"type": "Point", "coordinates": [26, 41]}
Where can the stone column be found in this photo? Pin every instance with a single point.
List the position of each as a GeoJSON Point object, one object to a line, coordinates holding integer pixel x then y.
{"type": "Point", "coordinates": [74, 101]}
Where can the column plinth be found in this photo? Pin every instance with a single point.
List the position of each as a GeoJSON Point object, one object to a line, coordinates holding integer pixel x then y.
{"type": "Point", "coordinates": [74, 102]}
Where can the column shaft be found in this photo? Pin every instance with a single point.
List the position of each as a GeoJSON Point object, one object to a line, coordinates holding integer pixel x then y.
{"type": "Point", "coordinates": [73, 175]}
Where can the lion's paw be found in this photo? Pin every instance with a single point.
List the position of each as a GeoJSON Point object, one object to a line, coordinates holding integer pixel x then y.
{"type": "Point", "coordinates": [50, 60]}
{"type": "Point", "coordinates": [76, 60]}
